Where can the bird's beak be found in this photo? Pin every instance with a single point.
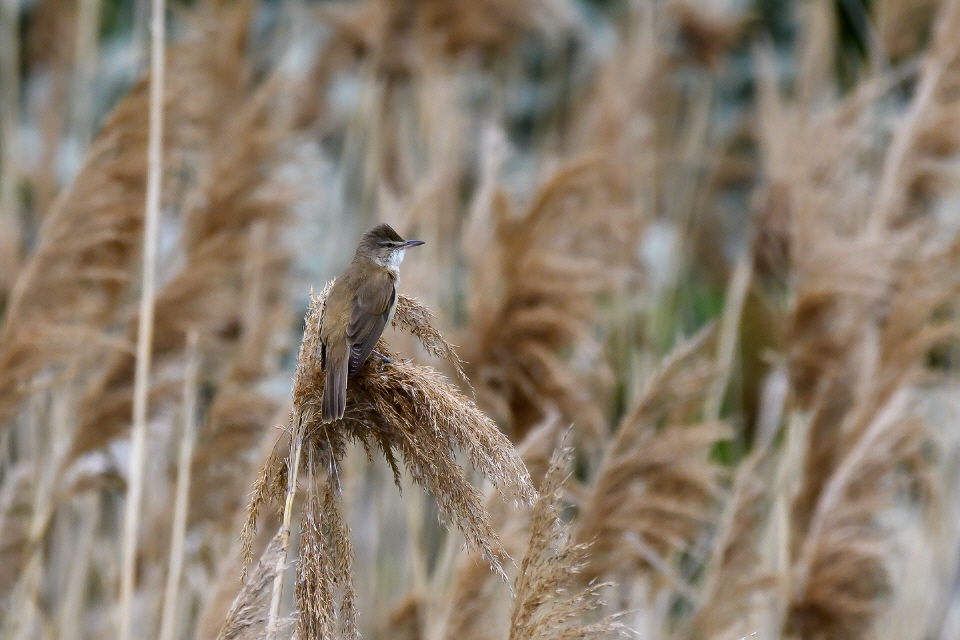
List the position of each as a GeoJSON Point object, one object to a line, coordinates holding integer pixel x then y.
{"type": "Point", "coordinates": [411, 243]}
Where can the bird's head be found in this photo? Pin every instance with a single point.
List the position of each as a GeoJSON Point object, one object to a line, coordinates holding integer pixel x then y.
{"type": "Point", "coordinates": [384, 246]}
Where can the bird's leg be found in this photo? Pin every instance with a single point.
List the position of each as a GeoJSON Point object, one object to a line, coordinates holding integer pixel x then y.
{"type": "Point", "coordinates": [383, 359]}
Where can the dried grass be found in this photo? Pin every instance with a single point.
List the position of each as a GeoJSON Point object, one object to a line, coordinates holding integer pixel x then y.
{"type": "Point", "coordinates": [639, 112]}
{"type": "Point", "coordinates": [403, 410]}
{"type": "Point", "coordinates": [870, 286]}
{"type": "Point", "coordinates": [237, 191]}
{"type": "Point", "coordinates": [71, 288]}
{"type": "Point", "coordinates": [655, 491]}
{"type": "Point", "coordinates": [536, 280]}
{"type": "Point", "coordinates": [247, 618]}
{"type": "Point", "coordinates": [548, 604]}
{"type": "Point", "coordinates": [476, 599]}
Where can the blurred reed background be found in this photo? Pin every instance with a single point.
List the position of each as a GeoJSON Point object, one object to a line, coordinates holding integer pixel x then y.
{"type": "Point", "coordinates": [721, 239]}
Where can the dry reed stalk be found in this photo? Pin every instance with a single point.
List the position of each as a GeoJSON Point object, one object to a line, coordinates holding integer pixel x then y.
{"type": "Point", "coordinates": [84, 71]}
{"type": "Point", "coordinates": [729, 332]}
{"type": "Point", "coordinates": [548, 605]}
{"type": "Point", "coordinates": [400, 409]}
{"type": "Point", "coordinates": [290, 494]}
{"type": "Point", "coordinates": [179, 530]}
{"type": "Point", "coordinates": [734, 570]}
{"type": "Point", "coordinates": [138, 438]}
{"type": "Point", "coordinates": [69, 618]}
{"type": "Point", "coordinates": [655, 491]}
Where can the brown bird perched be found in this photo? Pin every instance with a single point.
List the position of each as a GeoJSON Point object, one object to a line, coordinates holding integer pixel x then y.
{"type": "Point", "coordinates": [358, 308]}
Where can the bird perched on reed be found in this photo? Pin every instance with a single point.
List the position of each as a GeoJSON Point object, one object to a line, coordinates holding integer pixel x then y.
{"type": "Point", "coordinates": [359, 306]}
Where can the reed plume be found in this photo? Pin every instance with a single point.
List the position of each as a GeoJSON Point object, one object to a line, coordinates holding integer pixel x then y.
{"type": "Point", "coordinates": [655, 491]}
{"type": "Point", "coordinates": [548, 603]}
{"type": "Point", "coordinates": [400, 409]}
{"type": "Point", "coordinates": [476, 604]}
{"type": "Point", "coordinates": [70, 290]}
{"type": "Point", "coordinates": [236, 191]}
{"type": "Point", "coordinates": [535, 281]}
{"type": "Point", "coordinates": [247, 618]}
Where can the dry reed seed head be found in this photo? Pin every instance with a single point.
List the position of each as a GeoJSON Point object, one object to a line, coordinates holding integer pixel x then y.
{"type": "Point", "coordinates": [655, 490]}
{"type": "Point", "coordinates": [478, 600]}
{"type": "Point", "coordinates": [247, 618]}
{"type": "Point", "coordinates": [831, 346]}
{"type": "Point", "coordinates": [78, 271]}
{"type": "Point", "coordinates": [410, 414]}
{"type": "Point", "coordinates": [419, 394]}
{"type": "Point", "coordinates": [237, 191]}
{"type": "Point", "coordinates": [416, 319]}
{"type": "Point", "coordinates": [234, 421]}
{"type": "Point", "coordinates": [842, 572]}
{"type": "Point", "coordinates": [326, 602]}
{"type": "Point", "coordinates": [269, 488]}
{"type": "Point", "coordinates": [72, 285]}
{"type": "Point", "coordinates": [549, 265]}
{"type": "Point", "coordinates": [548, 601]}
{"type": "Point", "coordinates": [735, 567]}
{"type": "Point", "coordinates": [195, 298]}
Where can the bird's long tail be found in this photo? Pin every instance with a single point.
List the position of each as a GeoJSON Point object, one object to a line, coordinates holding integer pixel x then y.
{"type": "Point", "coordinates": [335, 386]}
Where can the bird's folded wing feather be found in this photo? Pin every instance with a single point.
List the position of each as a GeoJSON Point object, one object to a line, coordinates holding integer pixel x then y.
{"type": "Point", "coordinates": [368, 317]}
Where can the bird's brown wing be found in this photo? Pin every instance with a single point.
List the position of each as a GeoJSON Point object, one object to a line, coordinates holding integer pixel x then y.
{"type": "Point", "coordinates": [368, 317]}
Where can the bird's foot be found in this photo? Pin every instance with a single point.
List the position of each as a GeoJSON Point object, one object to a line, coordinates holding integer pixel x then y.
{"type": "Point", "coordinates": [381, 360]}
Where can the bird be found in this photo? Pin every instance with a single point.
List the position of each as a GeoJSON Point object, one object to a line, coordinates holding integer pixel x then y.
{"type": "Point", "coordinates": [359, 306]}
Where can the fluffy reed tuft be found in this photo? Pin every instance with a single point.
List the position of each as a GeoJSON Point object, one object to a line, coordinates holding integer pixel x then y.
{"type": "Point", "coordinates": [71, 288]}
{"type": "Point", "coordinates": [548, 605]}
{"type": "Point", "coordinates": [476, 596]}
{"type": "Point", "coordinates": [247, 618]}
{"type": "Point", "coordinates": [71, 285]}
{"type": "Point", "coordinates": [403, 410]}
{"type": "Point", "coordinates": [655, 490]}
{"type": "Point", "coordinates": [533, 295]}
{"type": "Point", "coordinates": [237, 191]}
{"type": "Point", "coordinates": [841, 578]}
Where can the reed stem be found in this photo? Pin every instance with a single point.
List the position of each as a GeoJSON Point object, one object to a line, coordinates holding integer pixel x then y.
{"type": "Point", "coordinates": [293, 466]}
{"type": "Point", "coordinates": [168, 624]}
{"type": "Point", "coordinates": [138, 443]}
